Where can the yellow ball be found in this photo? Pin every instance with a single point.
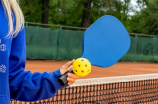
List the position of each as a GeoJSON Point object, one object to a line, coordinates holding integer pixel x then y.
{"type": "Point", "coordinates": [81, 67]}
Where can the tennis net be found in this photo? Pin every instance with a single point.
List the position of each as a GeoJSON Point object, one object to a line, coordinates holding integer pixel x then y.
{"type": "Point", "coordinates": [135, 89]}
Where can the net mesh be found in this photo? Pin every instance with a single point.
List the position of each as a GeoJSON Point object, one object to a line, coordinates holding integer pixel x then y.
{"type": "Point", "coordinates": [136, 89]}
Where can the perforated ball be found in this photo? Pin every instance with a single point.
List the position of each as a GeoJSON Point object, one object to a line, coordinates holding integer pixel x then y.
{"type": "Point", "coordinates": [81, 67]}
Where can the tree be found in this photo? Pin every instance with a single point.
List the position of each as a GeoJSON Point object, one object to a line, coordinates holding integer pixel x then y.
{"type": "Point", "coordinates": [78, 13]}
{"type": "Point", "coordinates": [86, 13]}
{"type": "Point", "coordinates": [146, 19]}
{"type": "Point", "coordinates": [65, 12]}
{"type": "Point", "coordinates": [45, 13]}
{"type": "Point", "coordinates": [32, 10]}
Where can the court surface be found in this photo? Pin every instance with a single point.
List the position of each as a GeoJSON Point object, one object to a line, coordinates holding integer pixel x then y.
{"type": "Point", "coordinates": [119, 69]}
{"type": "Point", "coordinates": [111, 94]}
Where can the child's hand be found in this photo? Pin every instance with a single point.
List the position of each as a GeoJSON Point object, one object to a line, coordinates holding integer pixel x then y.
{"type": "Point", "coordinates": [71, 77]}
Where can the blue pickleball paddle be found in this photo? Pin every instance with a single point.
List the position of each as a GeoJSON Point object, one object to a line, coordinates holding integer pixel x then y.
{"type": "Point", "coordinates": [105, 42]}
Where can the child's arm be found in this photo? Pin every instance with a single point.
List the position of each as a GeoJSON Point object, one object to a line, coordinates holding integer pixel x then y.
{"type": "Point", "coordinates": [24, 85]}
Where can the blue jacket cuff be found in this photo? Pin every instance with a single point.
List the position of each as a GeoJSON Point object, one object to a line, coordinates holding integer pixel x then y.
{"type": "Point", "coordinates": [55, 75]}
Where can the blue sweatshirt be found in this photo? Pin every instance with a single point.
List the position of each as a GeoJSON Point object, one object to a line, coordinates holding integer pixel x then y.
{"type": "Point", "coordinates": [15, 83]}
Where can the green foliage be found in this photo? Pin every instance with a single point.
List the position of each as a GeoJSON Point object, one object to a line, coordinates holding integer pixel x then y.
{"type": "Point", "coordinates": [65, 12]}
{"type": "Point", "coordinates": [32, 10]}
{"type": "Point", "coordinates": [70, 13]}
{"type": "Point", "coordinates": [146, 20]}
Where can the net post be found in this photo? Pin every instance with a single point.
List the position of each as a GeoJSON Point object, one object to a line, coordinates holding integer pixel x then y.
{"type": "Point", "coordinates": [58, 43]}
{"type": "Point", "coordinates": [26, 23]}
{"type": "Point", "coordinates": [154, 48]}
{"type": "Point", "coordinates": [135, 47]}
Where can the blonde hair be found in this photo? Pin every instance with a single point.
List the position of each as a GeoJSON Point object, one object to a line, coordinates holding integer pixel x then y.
{"type": "Point", "coordinates": [8, 6]}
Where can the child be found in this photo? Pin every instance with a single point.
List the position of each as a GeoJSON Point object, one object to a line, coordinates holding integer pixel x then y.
{"type": "Point", "coordinates": [15, 83]}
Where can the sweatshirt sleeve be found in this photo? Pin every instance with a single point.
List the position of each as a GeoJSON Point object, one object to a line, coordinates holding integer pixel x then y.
{"type": "Point", "coordinates": [24, 85]}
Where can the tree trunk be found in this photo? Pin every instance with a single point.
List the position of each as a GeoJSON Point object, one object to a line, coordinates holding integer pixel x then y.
{"type": "Point", "coordinates": [86, 14]}
{"type": "Point", "coordinates": [45, 13]}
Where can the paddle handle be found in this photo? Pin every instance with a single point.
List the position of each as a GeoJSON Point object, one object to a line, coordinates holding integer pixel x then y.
{"type": "Point", "coordinates": [63, 79]}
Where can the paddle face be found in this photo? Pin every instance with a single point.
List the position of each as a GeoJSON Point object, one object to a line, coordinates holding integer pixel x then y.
{"type": "Point", "coordinates": [105, 42]}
